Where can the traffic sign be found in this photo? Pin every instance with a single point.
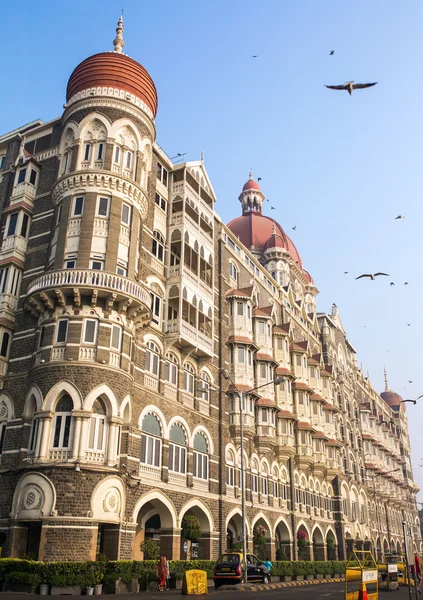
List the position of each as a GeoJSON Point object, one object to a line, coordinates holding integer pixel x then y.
{"type": "Point", "coordinates": [185, 546]}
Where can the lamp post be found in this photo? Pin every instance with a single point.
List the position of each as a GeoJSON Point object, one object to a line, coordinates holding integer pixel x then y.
{"type": "Point", "coordinates": [241, 394]}
{"type": "Point", "coordinates": [406, 558]}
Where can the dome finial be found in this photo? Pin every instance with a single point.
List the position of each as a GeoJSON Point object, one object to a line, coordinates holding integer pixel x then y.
{"type": "Point", "coordinates": [386, 380]}
{"type": "Point", "coordinates": [118, 42]}
{"type": "Point", "coordinates": [251, 174]}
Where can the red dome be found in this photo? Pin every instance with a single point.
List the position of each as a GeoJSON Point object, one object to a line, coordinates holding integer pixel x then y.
{"type": "Point", "coordinates": [255, 229]}
{"type": "Point", "coordinates": [251, 185]}
{"type": "Point", "coordinates": [392, 399]}
{"type": "Point", "coordinates": [115, 70]}
{"type": "Point", "coordinates": [308, 276]}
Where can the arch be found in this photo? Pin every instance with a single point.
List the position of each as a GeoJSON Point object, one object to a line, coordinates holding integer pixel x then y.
{"type": "Point", "coordinates": [57, 390]}
{"type": "Point", "coordinates": [108, 500]}
{"type": "Point", "coordinates": [205, 432]}
{"type": "Point", "coordinates": [87, 121]}
{"type": "Point", "coordinates": [261, 517]}
{"type": "Point", "coordinates": [125, 410]}
{"type": "Point", "coordinates": [157, 412]}
{"type": "Point", "coordinates": [34, 498]}
{"type": "Point", "coordinates": [153, 280]}
{"type": "Point", "coordinates": [33, 401]}
{"type": "Point", "coordinates": [282, 521]}
{"type": "Point", "coordinates": [236, 512]}
{"type": "Point", "coordinates": [107, 395]}
{"type": "Point", "coordinates": [208, 372]}
{"type": "Point", "coordinates": [201, 511]}
{"type": "Point", "coordinates": [8, 402]}
{"type": "Point", "coordinates": [317, 534]}
{"type": "Point", "coordinates": [150, 337]}
{"type": "Point", "coordinates": [180, 421]}
{"type": "Point", "coordinates": [318, 543]}
{"type": "Point", "coordinates": [283, 539]}
{"type": "Point", "coordinates": [303, 524]}
{"type": "Point", "coordinates": [122, 124]}
{"type": "Point", "coordinates": [157, 499]}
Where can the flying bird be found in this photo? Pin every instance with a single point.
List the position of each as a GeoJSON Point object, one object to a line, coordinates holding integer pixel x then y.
{"type": "Point", "coordinates": [399, 217]}
{"type": "Point", "coordinates": [294, 228]}
{"type": "Point", "coordinates": [405, 282]}
{"type": "Point", "coordinates": [372, 275]}
{"type": "Point", "coordinates": [272, 208]}
{"type": "Point", "coordinates": [255, 55]}
{"type": "Point", "coordinates": [413, 401]}
{"type": "Point", "coordinates": [346, 272]}
{"type": "Point", "coordinates": [350, 86]}
{"type": "Point", "coordinates": [409, 324]}
{"type": "Point", "coordinates": [332, 52]}
{"type": "Point", "coordinates": [409, 381]}
{"type": "Point", "coordinates": [258, 178]}
{"type": "Point", "coordinates": [392, 283]}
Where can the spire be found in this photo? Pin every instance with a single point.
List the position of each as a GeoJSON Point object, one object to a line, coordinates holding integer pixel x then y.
{"type": "Point", "coordinates": [118, 42]}
{"type": "Point", "coordinates": [274, 228]}
{"type": "Point", "coordinates": [251, 174]}
{"type": "Point", "coordinates": [386, 380]}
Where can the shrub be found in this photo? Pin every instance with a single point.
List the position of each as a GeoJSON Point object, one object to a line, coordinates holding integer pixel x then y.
{"type": "Point", "coordinates": [298, 569]}
{"type": "Point", "coordinates": [287, 571]}
{"type": "Point", "coordinates": [191, 528]}
{"type": "Point", "coordinates": [24, 578]}
{"type": "Point", "coordinates": [309, 567]}
{"type": "Point", "coordinates": [280, 554]}
{"type": "Point", "coordinates": [151, 549]}
{"type": "Point", "coordinates": [68, 580]}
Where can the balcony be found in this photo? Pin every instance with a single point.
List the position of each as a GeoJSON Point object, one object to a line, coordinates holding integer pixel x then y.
{"type": "Point", "coordinates": [190, 336]}
{"type": "Point", "coordinates": [13, 246]}
{"type": "Point", "coordinates": [23, 191]}
{"type": "Point", "coordinates": [66, 287]}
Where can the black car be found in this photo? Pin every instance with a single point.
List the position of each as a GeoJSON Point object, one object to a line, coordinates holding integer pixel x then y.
{"type": "Point", "coordinates": [230, 568]}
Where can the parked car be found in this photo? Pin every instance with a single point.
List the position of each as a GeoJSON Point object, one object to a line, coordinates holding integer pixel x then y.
{"type": "Point", "coordinates": [230, 568]}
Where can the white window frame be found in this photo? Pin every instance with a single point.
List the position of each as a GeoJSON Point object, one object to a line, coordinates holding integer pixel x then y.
{"type": "Point", "coordinates": [152, 363]}
{"type": "Point", "coordinates": [153, 444]}
{"type": "Point", "coordinates": [84, 331]}
{"type": "Point", "coordinates": [74, 214]}
{"type": "Point", "coordinates": [64, 417]}
{"type": "Point", "coordinates": [126, 223]}
{"type": "Point", "coordinates": [189, 379]}
{"type": "Point", "coordinates": [200, 465]}
{"type": "Point", "coordinates": [62, 342]}
{"type": "Point", "coordinates": [177, 458]}
{"type": "Point", "coordinates": [171, 370]}
{"type": "Point", "coordinates": [116, 328]}
{"type": "Point", "coordinates": [96, 422]}
{"type": "Point", "coordinates": [97, 261]}
{"type": "Point", "coordinates": [160, 202]}
{"type": "Point", "coordinates": [97, 210]}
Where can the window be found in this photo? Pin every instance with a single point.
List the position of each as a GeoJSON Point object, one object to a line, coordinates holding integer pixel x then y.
{"type": "Point", "coordinates": [151, 443]}
{"type": "Point", "coordinates": [204, 387]}
{"type": "Point", "coordinates": [230, 469]}
{"type": "Point", "coordinates": [171, 369]}
{"type": "Point", "coordinates": [22, 175]}
{"type": "Point", "coordinates": [233, 271]}
{"type": "Point", "coordinates": [98, 425]}
{"type": "Point", "coordinates": [117, 154]}
{"type": "Point", "coordinates": [157, 247]}
{"type": "Point", "coordinates": [87, 151]}
{"type": "Point", "coordinates": [200, 457]}
{"type": "Point", "coordinates": [161, 202]}
{"type": "Point", "coordinates": [264, 484]}
{"type": "Point", "coordinates": [188, 378]}
{"type": "Point", "coordinates": [5, 344]}
{"type": "Point", "coordinates": [62, 331]}
{"type": "Point", "coordinates": [100, 151]}
{"type": "Point", "coordinates": [121, 268]}
{"type": "Point", "coordinates": [42, 336]}
{"type": "Point", "coordinates": [155, 307]}
{"type": "Point", "coordinates": [261, 327]}
{"type": "Point", "coordinates": [152, 362]}
{"type": "Point", "coordinates": [254, 477]}
{"type": "Point", "coordinates": [240, 309]}
{"type": "Point", "coordinates": [177, 449]}
{"type": "Point", "coordinates": [116, 337]}
{"type": "Point", "coordinates": [33, 436]}
{"type": "Point", "coordinates": [2, 161]}
{"type": "Point", "coordinates": [70, 264]}
{"type": "Point", "coordinates": [24, 225]}
{"type": "Point", "coordinates": [78, 206]}
{"type": "Point", "coordinates": [33, 177]}
{"type": "Point", "coordinates": [241, 354]}
{"type": "Point", "coordinates": [97, 265]}
{"type": "Point", "coordinates": [13, 219]}
{"type": "Point", "coordinates": [90, 331]}
{"type": "Point", "coordinates": [3, 426]}
{"type": "Point", "coordinates": [63, 422]}
{"type": "Point", "coordinates": [126, 215]}
{"type": "Point", "coordinates": [162, 174]}
{"type": "Point", "coordinates": [3, 278]}
{"type": "Point", "coordinates": [103, 207]}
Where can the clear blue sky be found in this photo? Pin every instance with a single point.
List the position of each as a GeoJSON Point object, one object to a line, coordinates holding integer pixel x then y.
{"type": "Point", "coordinates": [339, 167]}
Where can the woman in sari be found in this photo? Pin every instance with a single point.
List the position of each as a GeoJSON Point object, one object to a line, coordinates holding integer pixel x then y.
{"type": "Point", "coordinates": [161, 572]}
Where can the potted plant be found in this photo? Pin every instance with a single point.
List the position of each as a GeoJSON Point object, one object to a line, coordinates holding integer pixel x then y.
{"type": "Point", "coordinates": [99, 570]}
{"type": "Point", "coordinates": [69, 584]}
{"type": "Point", "coordinates": [287, 573]}
{"type": "Point", "coordinates": [44, 582]}
{"type": "Point", "coordinates": [299, 572]}
{"type": "Point", "coordinates": [319, 569]}
{"type": "Point", "coordinates": [310, 569]}
{"type": "Point", "coordinates": [191, 528]}
{"type": "Point", "coordinates": [23, 582]}
{"type": "Point", "coordinates": [276, 573]}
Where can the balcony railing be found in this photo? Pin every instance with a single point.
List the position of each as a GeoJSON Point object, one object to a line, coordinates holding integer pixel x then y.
{"type": "Point", "coordinates": [14, 242]}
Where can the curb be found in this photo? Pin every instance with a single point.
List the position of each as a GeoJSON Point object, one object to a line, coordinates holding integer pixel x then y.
{"type": "Point", "coordinates": [284, 584]}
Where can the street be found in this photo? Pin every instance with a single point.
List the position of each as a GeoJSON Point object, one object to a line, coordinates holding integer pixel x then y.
{"type": "Point", "coordinates": [332, 591]}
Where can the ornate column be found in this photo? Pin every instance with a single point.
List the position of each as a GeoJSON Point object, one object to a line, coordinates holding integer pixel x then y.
{"type": "Point", "coordinates": [114, 424]}
{"type": "Point", "coordinates": [76, 434]}
{"type": "Point", "coordinates": [45, 420]}
{"type": "Point", "coordinates": [83, 439]}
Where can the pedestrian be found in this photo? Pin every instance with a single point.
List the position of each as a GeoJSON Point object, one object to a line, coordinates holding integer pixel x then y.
{"type": "Point", "coordinates": [167, 572]}
{"type": "Point", "coordinates": [418, 572]}
{"type": "Point", "coordinates": [161, 574]}
{"type": "Point", "coordinates": [268, 564]}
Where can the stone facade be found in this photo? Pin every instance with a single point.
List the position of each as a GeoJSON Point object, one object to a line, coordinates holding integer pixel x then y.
{"type": "Point", "coordinates": [124, 300]}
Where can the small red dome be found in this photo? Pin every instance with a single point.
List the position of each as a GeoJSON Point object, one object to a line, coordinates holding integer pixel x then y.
{"type": "Point", "coordinates": [308, 276]}
{"type": "Point", "coordinates": [392, 399]}
{"type": "Point", "coordinates": [113, 70]}
{"type": "Point", "coordinates": [251, 185]}
{"type": "Point", "coordinates": [261, 232]}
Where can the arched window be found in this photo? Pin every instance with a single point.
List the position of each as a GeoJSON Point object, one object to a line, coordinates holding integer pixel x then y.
{"type": "Point", "coordinates": [63, 423]}
{"type": "Point", "coordinates": [204, 386]}
{"type": "Point", "coordinates": [4, 415]}
{"type": "Point", "coordinates": [177, 449]}
{"type": "Point", "coordinates": [151, 441]}
{"type": "Point", "coordinates": [230, 468]}
{"type": "Point", "coordinates": [254, 476]}
{"type": "Point", "coordinates": [264, 480]}
{"type": "Point", "coordinates": [98, 426]}
{"type": "Point", "coordinates": [201, 457]}
{"type": "Point", "coordinates": [171, 369]}
{"type": "Point", "coordinates": [233, 271]}
{"type": "Point", "coordinates": [188, 378]}
{"type": "Point", "coordinates": [152, 359]}
{"type": "Point", "coordinates": [157, 246]}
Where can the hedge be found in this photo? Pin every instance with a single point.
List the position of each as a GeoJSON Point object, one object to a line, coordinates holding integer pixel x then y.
{"type": "Point", "coordinates": [107, 572]}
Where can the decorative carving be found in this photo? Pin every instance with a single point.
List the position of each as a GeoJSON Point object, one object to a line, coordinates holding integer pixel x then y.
{"type": "Point", "coordinates": [111, 501]}
{"type": "Point", "coordinates": [32, 499]}
{"type": "Point", "coordinates": [3, 411]}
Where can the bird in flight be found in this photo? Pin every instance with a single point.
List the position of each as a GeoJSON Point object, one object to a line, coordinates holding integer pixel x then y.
{"type": "Point", "coordinates": [272, 208]}
{"type": "Point", "coordinates": [255, 55]}
{"type": "Point", "coordinates": [350, 86]}
{"type": "Point", "coordinates": [392, 283]}
{"type": "Point", "coordinates": [332, 52]}
{"type": "Point", "coordinates": [399, 217]}
{"type": "Point", "coordinates": [258, 178]}
{"type": "Point", "coordinates": [346, 272]}
{"type": "Point", "coordinates": [413, 401]}
{"type": "Point", "coordinates": [294, 228]}
{"type": "Point", "coordinates": [405, 282]}
{"type": "Point", "coordinates": [372, 275]}
{"type": "Point", "coordinates": [408, 324]}
{"type": "Point", "coordinates": [409, 381]}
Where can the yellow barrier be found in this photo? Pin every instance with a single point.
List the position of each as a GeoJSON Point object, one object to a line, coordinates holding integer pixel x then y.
{"type": "Point", "coordinates": [195, 582]}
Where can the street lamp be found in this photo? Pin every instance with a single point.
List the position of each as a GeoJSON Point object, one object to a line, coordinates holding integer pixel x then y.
{"type": "Point", "coordinates": [240, 393]}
